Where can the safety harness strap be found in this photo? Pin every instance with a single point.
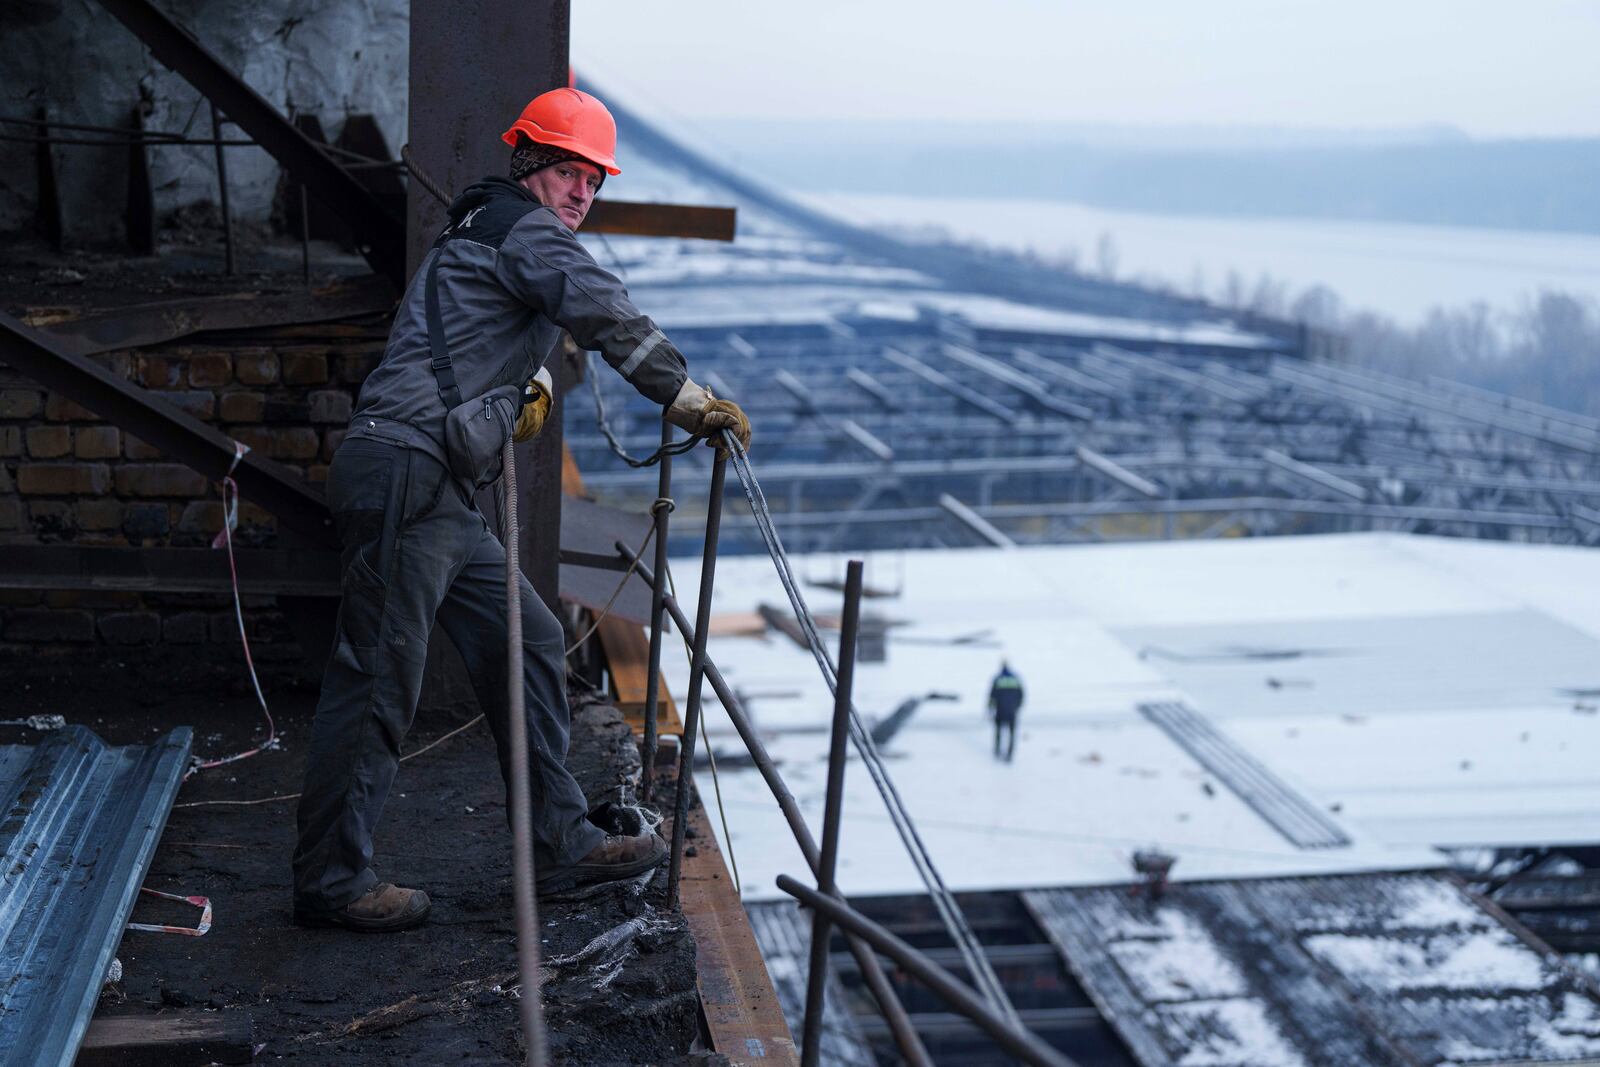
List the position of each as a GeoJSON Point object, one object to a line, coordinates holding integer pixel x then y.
{"type": "Point", "coordinates": [444, 370]}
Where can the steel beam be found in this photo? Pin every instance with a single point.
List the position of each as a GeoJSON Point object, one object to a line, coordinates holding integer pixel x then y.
{"type": "Point", "coordinates": [280, 491]}
{"type": "Point", "coordinates": [1163, 369]}
{"type": "Point", "coordinates": [1092, 509]}
{"type": "Point", "coordinates": [660, 220]}
{"type": "Point", "coordinates": [1119, 474]}
{"type": "Point", "coordinates": [974, 522]}
{"type": "Point", "coordinates": [136, 325]}
{"type": "Point", "coordinates": [996, 371]}
{"type": "Point", "coordinates": [795, 388]}
{"type": "Point", "coordinates": [721, 386]}
{"type": "Point", "coordinates": [861, 436]}
{"type": "Point", "coordinates": [379, 235]}
{"type": "Point", "coordinates": [1313, 474]}
{"type": "Point", "coordinates": [872, 387]}
{"type": "Point", "coordinates": [1069, 376]}
{"type": "Point", "coordinates": [954, 388]}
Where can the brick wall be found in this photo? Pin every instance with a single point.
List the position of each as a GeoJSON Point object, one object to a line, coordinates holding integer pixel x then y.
{"type": "Point", "coordinates": [67, 476]}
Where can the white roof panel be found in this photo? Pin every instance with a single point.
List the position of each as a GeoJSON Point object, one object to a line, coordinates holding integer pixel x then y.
{"type": "Point", "coordinates": [1379, 738]}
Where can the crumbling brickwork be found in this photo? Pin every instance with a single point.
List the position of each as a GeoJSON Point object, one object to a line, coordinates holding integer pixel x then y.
{"type": "Point", "coordinates": [68, 476]}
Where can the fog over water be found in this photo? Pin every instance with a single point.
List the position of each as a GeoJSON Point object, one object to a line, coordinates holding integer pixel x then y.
{"type": "Point", "coordinates": [1400, 269]}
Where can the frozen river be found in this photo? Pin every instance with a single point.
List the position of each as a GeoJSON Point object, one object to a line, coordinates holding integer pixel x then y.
{"type": "Point", "coordinates": [1399, 269]}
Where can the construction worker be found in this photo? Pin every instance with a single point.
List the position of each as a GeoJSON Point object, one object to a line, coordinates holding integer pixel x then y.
{"type": "Point", "coordinates": [507, 275]}
{"type": "Point", "coordinates": [1005, 700]}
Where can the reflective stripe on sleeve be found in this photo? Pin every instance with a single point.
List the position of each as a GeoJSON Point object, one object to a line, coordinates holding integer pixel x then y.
{"type": "Point", "coordinates": [646, 346]}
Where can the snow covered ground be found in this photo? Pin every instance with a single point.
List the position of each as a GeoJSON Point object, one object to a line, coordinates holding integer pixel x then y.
{"type": "Point", "coordinates": [1424, 691]}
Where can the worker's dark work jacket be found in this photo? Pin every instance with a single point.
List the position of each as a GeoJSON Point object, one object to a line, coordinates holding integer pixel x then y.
{"type": "Point", "coordinates": [416, 552]}
{"type": "Point", "coordinates": [1005, 696]}
{"type": "Point", "coordinates": [511, 277]}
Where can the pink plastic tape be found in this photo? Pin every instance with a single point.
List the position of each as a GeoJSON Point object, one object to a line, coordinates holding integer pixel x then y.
{"type": "Point", "coordinates": [203, 903]}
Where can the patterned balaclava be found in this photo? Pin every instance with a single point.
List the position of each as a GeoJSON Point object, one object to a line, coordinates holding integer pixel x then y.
{"type": "Point", "coordinates": [530, 157]}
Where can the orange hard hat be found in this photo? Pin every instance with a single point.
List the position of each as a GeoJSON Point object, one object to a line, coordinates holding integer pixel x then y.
{"type": "Point", "coordinates": [570, 119]}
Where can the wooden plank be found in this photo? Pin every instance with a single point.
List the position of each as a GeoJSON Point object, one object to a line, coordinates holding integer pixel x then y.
{"type": "Point", "coordinates": [627, 649]}
{"type": "Point", "coordinates": [741, 1007]}
{"type": "Point", "coordinates": [571, 480]}
{"type": "Point", "coordinates": [660, 220]}
{"type": "Point", "coordinates": [170, 1039]}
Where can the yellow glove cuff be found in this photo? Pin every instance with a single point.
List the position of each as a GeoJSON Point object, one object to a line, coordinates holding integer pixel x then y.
{"type": "Point", "coordinates": [534, 412]}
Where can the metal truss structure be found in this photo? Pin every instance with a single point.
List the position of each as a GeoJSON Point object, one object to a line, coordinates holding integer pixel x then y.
{"type": "Point", "coordinates": [940, 435]}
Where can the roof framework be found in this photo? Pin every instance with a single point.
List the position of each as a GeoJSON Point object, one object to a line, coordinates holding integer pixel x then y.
{"type": "Point", "coordinates": [865, 441]}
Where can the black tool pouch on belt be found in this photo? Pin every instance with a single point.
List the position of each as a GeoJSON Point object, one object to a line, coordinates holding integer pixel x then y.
{"type": "Point", "coordinates": [475, 431]}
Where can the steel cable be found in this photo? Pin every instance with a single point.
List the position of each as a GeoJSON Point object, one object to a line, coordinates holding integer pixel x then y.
{"type": "Point", "coordinates": [966, 942]}
{"type": "Point", "coordinates": [604, 422]}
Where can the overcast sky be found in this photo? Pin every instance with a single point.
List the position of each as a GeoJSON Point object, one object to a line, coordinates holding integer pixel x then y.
{"type": "Point", "coordinates": [1490, 67]}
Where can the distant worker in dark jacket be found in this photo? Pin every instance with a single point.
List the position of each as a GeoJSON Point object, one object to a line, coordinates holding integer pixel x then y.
{"type": "Point", "coordinates": [1005, 700]}
{"type": "Point", "coordinates": [487, 306]}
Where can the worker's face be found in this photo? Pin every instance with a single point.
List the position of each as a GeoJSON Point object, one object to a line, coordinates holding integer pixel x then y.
{"type": "Point", "coordinates": [567, 188]}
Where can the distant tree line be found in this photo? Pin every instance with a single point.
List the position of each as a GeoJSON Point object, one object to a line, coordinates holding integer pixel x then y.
{"type": "Point", "coordinates": [1546, 348]}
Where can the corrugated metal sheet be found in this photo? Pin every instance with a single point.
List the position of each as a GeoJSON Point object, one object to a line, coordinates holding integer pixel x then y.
{"type": "Point", "coordinates": [784, 933]}
{"type": "Point", "coordinates": [80, 823]}
{"type": "Point", "coordinates": [1352, 971]}
{"type": "Point", "coordinates": [1301, 821]}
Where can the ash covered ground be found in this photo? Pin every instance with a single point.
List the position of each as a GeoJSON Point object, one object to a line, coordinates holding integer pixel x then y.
{"type": "Point", "coordinates": [312, 993]}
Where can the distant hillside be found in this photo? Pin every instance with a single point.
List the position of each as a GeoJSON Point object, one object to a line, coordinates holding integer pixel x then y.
{"type": "Point", "coordinates": [1425, 176]}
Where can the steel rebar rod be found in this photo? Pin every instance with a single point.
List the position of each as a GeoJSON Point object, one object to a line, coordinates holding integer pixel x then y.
{"type": "Point", "coordinates": [658, 590]}
{"type": "Point", "coordinates": [222, 190]}
{"type": "Point", "coordinates": [697, 674]}
{"type": "Point", "coordinates": [530, 1005]}
{"type": "Point", "coordinates": [1026, 1046]}
{"type": "Point", "coordinates": [838, 749]}
{"type": "Point", "coordinates": [905, 1035]}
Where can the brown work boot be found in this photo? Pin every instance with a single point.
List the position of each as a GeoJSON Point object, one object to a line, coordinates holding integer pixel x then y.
{"type": "Point", "coordinates": [380, 909]}
{"type": "Point", "coordinates": [615, 859]}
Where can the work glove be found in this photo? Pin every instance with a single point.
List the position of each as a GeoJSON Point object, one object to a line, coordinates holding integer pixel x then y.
{"type": "Point", "coordinates": [535, 407]}
{"type": "Point", "coordinates": [696, 410]}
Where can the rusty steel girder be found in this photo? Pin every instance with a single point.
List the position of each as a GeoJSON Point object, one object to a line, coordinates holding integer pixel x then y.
{"type": "Point", "coordinates": [275, 488]}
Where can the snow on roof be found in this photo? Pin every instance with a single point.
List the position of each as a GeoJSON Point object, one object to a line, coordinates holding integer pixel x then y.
{"type": "Point", "coordinates": [1482, 743]}
{"type": "Point", "coordinates": [1378, 970]}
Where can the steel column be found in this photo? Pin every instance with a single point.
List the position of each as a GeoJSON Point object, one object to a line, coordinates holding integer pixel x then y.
{"type": "Point", "coordinates": [222, 191]}
{"type": "Point", "coordinates": [474, 65]}
{"type": "Point", "coordinates": [697, 674]}
{"type": "Point", "coordinates": [658, 591]}
{"type": "Point", "coordinates": [838, 749]}
{"type": "Point", "coordinates": [906, 1038]}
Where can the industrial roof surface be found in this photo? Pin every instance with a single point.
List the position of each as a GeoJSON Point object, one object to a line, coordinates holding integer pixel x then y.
{"type": "Point", "coordinates": [1418, 691]}
{"type": "Point", "coordinates": [1376, 970]}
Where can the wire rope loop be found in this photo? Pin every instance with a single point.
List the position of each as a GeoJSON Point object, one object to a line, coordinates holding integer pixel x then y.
{"type": "Point", "coordinates": [603, 421]}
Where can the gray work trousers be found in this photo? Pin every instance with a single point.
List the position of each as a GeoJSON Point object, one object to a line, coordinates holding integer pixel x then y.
{"type": "Point", "coordinates": [415, 549]}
